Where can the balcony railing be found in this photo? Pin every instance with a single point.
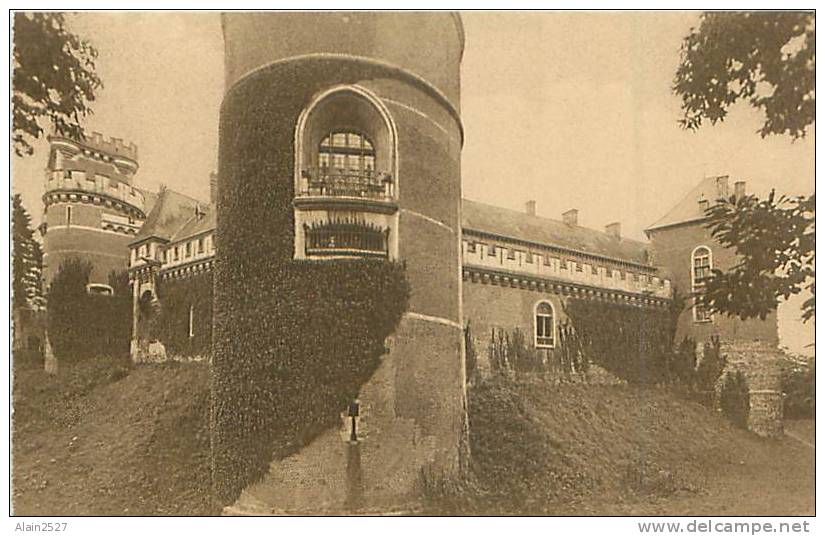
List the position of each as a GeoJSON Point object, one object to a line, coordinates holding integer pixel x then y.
{"type": "Point", "coordinates": [346, 238]}
{"type": "Point", "coordinates": [336, 182]}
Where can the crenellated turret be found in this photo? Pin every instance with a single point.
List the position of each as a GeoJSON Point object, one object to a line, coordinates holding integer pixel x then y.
{"type": "Point", "coordinates": [91, 208]}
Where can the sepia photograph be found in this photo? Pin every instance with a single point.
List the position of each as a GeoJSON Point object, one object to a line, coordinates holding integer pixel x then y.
{"type": "Point", "coordinates": [413, 263]}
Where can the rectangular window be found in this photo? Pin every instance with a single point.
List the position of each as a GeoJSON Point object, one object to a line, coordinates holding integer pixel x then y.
{"type": "Point", "coordinates": [595, 270]}
{"type": "Point", "coordinates": [323, 160]}
{"type": "Point", "coordinates": [528, 257]}
{"type": "Point", "coordinates": [636, 277]}
{"type": "Point", "coordinates": [491, 250]}
{"type": "Point", "coordinates": [339, 161]}
{"type": "Point", "coordinates": [623, 274]}
{"type": "Point", "coordinates": [547, 261]}
{"type": "Point", "coordinates": [511, 254]}
{"type": "Point", "coordinates": [608, 272]}
{"type": "Point", "coordinates": [369, 163]}
{"type": "Point", "coordinates": [200, 245]}
{"type": "Point", "coordinates": [578, 266]}
{"type": "Point", "coordinates": [564, 264]}
{"type": "Point", "coordinates": [176, 253]}
{"type": "Point", "coordinates": [471, 247]}
{"type": "Point", "coordinates": [163, 256]}
{"type": "Point", "coordinates": [188, 250]}
{"type": "Point", "coordinates": [339, 139]}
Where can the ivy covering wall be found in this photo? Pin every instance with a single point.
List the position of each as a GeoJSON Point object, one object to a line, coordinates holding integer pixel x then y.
{"type": "Point", "coordinates": [293, 341]}
{"type": "Point", "coordinates": [171, 323]}
{"type": "Point", "coordinates": [82, 325]}
{"type": "Point", "coordinates": [632, 343]}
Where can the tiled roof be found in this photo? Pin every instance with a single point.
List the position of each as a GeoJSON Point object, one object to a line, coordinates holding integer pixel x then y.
{"type": "Point", "coordinates": [689, 208]}
{"type": "Point", "coordinates": [149, 200]}
{"type": "Point", "coordinates": [170, 212]}
{"type": "Point", "coordinates": [196, 224]}
{"type": "Point", "coordinates": [522, 226]}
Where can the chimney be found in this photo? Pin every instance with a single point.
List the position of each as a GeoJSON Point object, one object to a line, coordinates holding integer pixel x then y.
{"type": "Point", "coordinates": [739, 189]}
{"type": "Point", "coordinates": [530, 207]}
{"type": "Point", "coordinates": [571, 217]}
{"type": "Point", "coordinates": [213, 188]}
{"type": "Point", "coordinates": [722, 186]}
{"type": "Point", "coordinates": [703, 203]}
{"type": "Point", "coordinates": [614, 229]}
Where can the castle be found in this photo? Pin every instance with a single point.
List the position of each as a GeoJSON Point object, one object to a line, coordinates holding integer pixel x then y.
{"type": "Point", "coordinates": [516, 260]}
{"type": "Point", "coordinates": [363, 161]}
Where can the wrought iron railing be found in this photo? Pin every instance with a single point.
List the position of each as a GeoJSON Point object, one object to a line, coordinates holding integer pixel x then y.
{"type": "Point", "coordinates": [346, 237]}
{"type": "Point", "coordinates": [336, 182]}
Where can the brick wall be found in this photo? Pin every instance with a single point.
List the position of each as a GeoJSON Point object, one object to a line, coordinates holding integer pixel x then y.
{"type": "Point", "coordinates": [672, 249]}
{"type": "Point", "coordinates": [489, 306]}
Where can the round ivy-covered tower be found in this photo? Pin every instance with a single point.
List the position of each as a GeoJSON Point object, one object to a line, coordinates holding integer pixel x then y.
{"type": "Point", "coordinates": [340, 145]}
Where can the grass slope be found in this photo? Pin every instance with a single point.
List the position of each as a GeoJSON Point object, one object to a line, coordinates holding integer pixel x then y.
{"type": "Point", "coordinates": [104, 439]}
{"type": "Point", "coordinates": [541, 448]}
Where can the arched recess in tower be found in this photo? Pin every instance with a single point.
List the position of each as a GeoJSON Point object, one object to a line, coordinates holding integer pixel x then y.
{"type": "Point", "coordinates": [346, 177]}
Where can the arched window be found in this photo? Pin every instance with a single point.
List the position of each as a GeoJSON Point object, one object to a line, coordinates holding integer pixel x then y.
{"type": "Point", "coordinates": [348, 152]}
{"type": "Point", "coordinates": [701, 264]}
{"type": "Point", "coordinates": [545, 325]}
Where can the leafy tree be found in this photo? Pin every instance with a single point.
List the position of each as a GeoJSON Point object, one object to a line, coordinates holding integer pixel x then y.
{"type": "Point", "coordinates": [775, 241]}
{"type": "Point", "coordinates": [27, 263]}
{"type": "Point", "coordinates": [765, 58]}
{"type": "Point", "coordinates": [54, 78]}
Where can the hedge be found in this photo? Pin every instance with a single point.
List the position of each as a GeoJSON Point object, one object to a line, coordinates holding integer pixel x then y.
{"type": "Point", "coordinates": [633, 343]}
{"type": "Point", "coordinates": [293, 341]}
{"type": "Point", "coordinates": [82, 325]}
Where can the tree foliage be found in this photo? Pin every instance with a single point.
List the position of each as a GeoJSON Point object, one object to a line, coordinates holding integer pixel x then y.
{"type": "Point", "coordinates": [53, 79]}
{"type": "Point", "coordinates": [775, 241]}
{"type": "Point", "coordinates": [765, 58]}
{"type": "Point", "coordinates": [83, 325]}
{"type": "Point", "coordinates": [27, 259]}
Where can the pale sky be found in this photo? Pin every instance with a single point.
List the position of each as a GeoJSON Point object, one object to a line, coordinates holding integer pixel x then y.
{"type": "Point", "coordinates": [573, 110]}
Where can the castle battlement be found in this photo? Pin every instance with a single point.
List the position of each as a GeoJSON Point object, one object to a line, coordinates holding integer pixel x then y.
{"type": "Point", "coordinates": [111, 146]}
{"type": "Point", "coordinates": [84, 184]}
{"type": "Point", "coordinates": [99, 147]}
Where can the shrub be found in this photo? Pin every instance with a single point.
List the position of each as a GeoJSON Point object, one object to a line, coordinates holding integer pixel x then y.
{"type": "Point", "coordinates": [710, 367]}
{"type": "Point", "coordinates": [798, 384]}
{"type": "Point", "coordinates": [83, 325]}
{"type": "Point", "coordinates": [684, 363]}
{"type": "Point", "coordinates": [471, 360]}
{"type": "Point", "coordinates": [170, 324]}
{"type": "Point", "coordinates": [509, 351]}
{"type": "Point", "coordinates": [633, 343]}
{"type": "Point", "coordinates": [734, 398]}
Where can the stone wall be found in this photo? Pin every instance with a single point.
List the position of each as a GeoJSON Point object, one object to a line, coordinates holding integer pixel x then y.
{"type": "Point", "coordinates": [761, 363]}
